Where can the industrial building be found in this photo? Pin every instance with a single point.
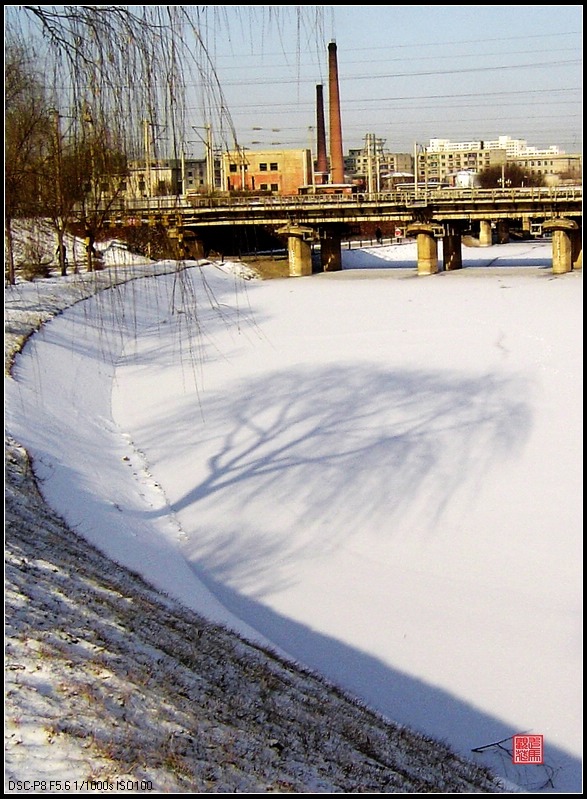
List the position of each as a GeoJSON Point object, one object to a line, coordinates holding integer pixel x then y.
{"type": "Point", "coordinates": [280, 172]}
{"type": "Point", "coordinates": [369, 169]}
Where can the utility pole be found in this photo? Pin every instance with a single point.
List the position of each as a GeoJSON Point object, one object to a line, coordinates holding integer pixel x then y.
{"type": "Point", "coordinates": [376, 145]}
{"type": "Point", "coordinates": [94, 197]}
{"type": "Point", "coordinates": [310, 178]}
{"type": "Point", "coordinates": [210, 180]}
{"type": "Point", "coordinates": [183, 188]}
{"type": "Point", "coordinates": [369, 153]}
{"type": "Point", "coordinates": [209, 145]}
{"type": "Point", "coordinates": [243, 164]}
{"type": "Point", "coordinates": [147, 125]}
{"type": "Point", "coordinates": [59, 192]}
{"type": "Point", "coordinates": [378, 155]}
{"type": "Point", "coordinates": [223, 175]}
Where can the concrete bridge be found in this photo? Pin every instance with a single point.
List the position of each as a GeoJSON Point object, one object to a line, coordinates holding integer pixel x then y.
{"type": "Point", "coordinates": [427, 214]}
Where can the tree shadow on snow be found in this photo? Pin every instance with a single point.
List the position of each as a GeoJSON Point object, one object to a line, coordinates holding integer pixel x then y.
{"type": "Point", "coordinates": [386, 449]}
{"type": "Point", "coordinates": [406, 700]}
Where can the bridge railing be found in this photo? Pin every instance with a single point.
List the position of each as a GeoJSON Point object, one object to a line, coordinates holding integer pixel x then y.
{"type": "Point", "coordinates": [398, 197]}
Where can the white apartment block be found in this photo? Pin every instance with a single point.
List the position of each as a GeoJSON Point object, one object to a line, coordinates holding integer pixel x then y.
{"type": "Point", "coordinates": [515, 148]}
{"type": "Point", "coordinates": [444, 145]}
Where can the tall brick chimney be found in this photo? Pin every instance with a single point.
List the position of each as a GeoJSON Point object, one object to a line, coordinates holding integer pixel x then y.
{"type": "Point", "coordinates": [336, 156]}
{"type": "Point", "coordinates": [321, 174]}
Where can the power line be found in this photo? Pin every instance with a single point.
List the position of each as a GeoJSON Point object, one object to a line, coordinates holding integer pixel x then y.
{"type": "Point", "coordinates": [389, 75]}
{"type": "Point", "coordinates": [434, 57]}
{"type": "Point", "coordinates": [307, 105]}
{"type": "Point", "coordinates": [412, 44]}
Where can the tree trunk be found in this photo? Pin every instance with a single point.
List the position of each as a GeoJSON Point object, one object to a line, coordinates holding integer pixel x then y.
{"type": "Point", "coordinates": [62, 253]}
{"type": "Point", "coordinates": [10, 271]}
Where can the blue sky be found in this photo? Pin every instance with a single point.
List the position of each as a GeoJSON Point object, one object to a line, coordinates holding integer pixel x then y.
{"type": "Point", "coordinates": [406, 73]}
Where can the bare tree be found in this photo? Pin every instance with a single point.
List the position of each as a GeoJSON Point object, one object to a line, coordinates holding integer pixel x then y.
{"type": "Point", "coordinates": [133, 63]}
{"type": "Point", "coordinates": [25, 138]}
{"type": "Point", "coordinates": [126, 66]}
{"type": "Point", "coordinates": [511, 175]}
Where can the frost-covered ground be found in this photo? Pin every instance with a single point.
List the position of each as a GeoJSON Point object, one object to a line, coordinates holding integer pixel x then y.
{"type": "Point", "coordinates": [109, 687]}
{"type": "Point", "coordinates": [234, 589]}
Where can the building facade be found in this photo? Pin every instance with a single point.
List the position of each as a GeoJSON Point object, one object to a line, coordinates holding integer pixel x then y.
{"type": "Point", "coordinates": [555, 169]}
{"type": "Point", "coordinates": [281, 172]}
{"type": "Point", "coordinates": [164, 177]}
{"type": "Point", "coordinates": [437, 165]}
{"type": "Point", "coordinates": [373, 167]}
{"type": "Point", "coordinates": [443, 157]}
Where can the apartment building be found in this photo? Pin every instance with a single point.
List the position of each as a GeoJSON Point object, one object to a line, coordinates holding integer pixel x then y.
{"type": "Point", "coordinates": [443, 157]}
{"type": "Point", "coordinates": [435, 166]}
{"type": "Point", "coordinates": [513, 147]}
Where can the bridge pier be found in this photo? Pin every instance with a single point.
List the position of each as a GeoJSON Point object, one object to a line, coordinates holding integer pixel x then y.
{"type": "Point", "coordinates": [330, 252]}
{"type": "Point", "coordinates": [503, 231]}
{"type": "Point", "coordinates": [576, 249]}
{"type": "Point", "coordinates": [176, 239]}
{"type": "Point", "coordinates": [195, 248]}
{"type": "Point", "coordinates": [186, 243]}
{"type": "Point", "coordinates": [427, 247]}
{"type": "Point", "coordinates": [565, 249]}
{"type": "Point", "coordinates": [299, 249]}
{"type": "Point", "coordinates": [452, 253]}
{"type": "Point", "coordinates": [485, 238]}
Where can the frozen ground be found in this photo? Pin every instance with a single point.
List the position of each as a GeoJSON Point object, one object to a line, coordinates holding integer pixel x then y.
{"type": "Point", "coordinates": [352, 473]}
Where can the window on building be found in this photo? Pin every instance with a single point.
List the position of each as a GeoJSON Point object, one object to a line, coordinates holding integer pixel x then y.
{"type": "Point", "coordinates": [275, 187]}
{"type": "Point", "coordinates": [233, 167]}
{"type": "Point", "coordinates": [262, 167]}
{"type": "Point", "coordinates": [273, 167]}
{"type": "Point", "coordinates": [263, 186]}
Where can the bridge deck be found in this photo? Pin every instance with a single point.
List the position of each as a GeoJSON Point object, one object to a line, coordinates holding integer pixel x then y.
{"type": "Point", "coordinates": [400, 206]}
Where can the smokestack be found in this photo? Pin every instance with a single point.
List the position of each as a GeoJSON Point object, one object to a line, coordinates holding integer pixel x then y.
{"type": "Point", "coordinates": [322, 155]}
{"type": "Point", "coordinates": [336, 156]}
